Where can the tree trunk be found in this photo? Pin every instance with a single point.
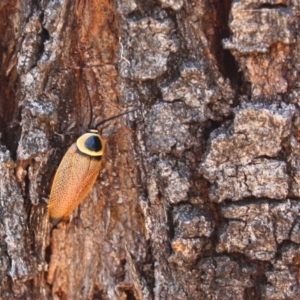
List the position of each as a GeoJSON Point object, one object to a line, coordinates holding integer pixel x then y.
{"type": "Point", "coordinates": [198, 193]}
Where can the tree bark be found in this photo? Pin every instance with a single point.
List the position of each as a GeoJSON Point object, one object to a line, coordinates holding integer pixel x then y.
{"type": "Point", "coordinates": [198, 194]}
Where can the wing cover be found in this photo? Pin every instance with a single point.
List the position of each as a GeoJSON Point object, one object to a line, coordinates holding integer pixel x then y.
{"type": "Point", "coordinates": [73, 180]}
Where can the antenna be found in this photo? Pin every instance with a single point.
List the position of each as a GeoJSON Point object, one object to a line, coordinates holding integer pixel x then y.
{"type": "Point", "coordinates": [104, 121]}
{"type": "Point", "coordinates": [114, 117]}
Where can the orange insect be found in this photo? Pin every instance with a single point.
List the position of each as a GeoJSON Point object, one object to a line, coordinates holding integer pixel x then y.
{"type": "Point", "coordinates": [77, 173]}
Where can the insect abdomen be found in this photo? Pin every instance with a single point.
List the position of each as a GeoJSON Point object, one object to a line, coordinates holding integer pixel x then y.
{"type": "Point", "coordinates": [73, 180]}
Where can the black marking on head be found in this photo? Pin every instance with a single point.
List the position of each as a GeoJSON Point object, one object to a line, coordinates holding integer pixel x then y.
{"type": "Point", "coordinates": [93, 143]}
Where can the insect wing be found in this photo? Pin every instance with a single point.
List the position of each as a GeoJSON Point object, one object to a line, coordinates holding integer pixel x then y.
{"type": "Point", "coordinates": [73, 180]}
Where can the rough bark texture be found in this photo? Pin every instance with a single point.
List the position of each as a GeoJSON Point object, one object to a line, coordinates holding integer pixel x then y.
{"type": "Point", "coordinates": [198, 193]}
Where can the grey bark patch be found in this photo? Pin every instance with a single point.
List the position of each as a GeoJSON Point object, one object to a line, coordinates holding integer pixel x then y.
{"type": "Point", "coordinates": [198, 89]}
{"type": "Point", "coordinates": [168, 128]}
{"type": "Point", "coordinates": [186, 251]}
{"type": "Point", "coordinates": [192, 221]}
{"type": "Point", "coordinates": [173, 4]}
{"type": "Point", "coordinates": [255, 28]}
{"type": "Point", "coordinates": [256, 230]}
{"type": "Point", "coordinates": [224, 278]}
{"type": "Point", "coordinates": [251, 231]}
{"type": "Point", "coordinates": [285, 217]}
{"type": "Point", "coordinates": [283, 284]}
{"type": "Point", "coordinates": [261, 178]}
{"type": "Point", "coordinates": [126, 6]}
{"type": "Point", "coordinates": [232, 162]}
{"type": "Point", "coordinates": [152, 42]}
{"type": "Point", "coordinates": [174, 184]}
{"type": "Point", "coordinates": [295, 234]}
{"type": "Point", "coordinates": [15, 261]}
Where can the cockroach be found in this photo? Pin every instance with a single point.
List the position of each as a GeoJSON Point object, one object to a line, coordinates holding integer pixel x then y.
{"type": "Point", "coordinates": [77, 172]}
